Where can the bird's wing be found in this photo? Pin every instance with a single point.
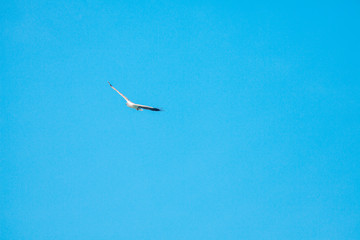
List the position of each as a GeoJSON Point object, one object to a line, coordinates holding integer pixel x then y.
{"type": "Point", "coordinates": [119, 92]}
{"type": "Point", "coordinates": [149, 108]}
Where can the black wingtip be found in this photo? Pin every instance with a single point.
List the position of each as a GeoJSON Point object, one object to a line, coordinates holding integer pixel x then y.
{"type": "Point", "coordinates": [152, 109]}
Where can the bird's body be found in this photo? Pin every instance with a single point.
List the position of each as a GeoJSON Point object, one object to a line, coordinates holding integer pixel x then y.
{"type": "Point", "coordinates": [134, 105]}
{"type": "Point", "coordinates": [131, 105]}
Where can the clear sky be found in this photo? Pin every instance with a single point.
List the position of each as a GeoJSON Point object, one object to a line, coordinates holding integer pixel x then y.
{"type": "Point", "coordinates": [260, 137]}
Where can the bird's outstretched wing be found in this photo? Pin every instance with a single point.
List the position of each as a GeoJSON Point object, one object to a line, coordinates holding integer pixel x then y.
{"type": "Point", "coordinates": [149, 108]}
{"type": "Point", "coordinates": [119, 92]}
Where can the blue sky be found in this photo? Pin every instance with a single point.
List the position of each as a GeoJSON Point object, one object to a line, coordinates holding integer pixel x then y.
{"type": "Point", "coordinates": [259, 138]}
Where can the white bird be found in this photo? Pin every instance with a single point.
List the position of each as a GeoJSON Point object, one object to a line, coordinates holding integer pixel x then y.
{"type": "Point", "coordinates": [134, 105]}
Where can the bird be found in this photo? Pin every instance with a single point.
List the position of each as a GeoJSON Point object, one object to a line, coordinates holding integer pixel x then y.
{"type": "Point", "coordinates": [130, 104]}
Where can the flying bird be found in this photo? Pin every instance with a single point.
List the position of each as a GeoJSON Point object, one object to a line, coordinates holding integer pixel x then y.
{"type": "Point", "coordinates": [130, 104]}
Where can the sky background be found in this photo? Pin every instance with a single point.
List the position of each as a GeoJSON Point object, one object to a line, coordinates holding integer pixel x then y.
{"type": "Point", "coordinates": [260, 137]}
